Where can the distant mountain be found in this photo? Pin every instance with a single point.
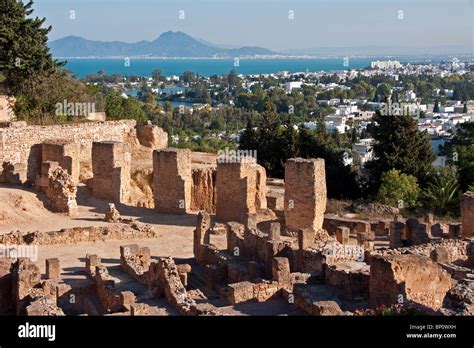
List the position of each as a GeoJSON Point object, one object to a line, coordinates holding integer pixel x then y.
{"type": "Point", "coordinates": [168, 45]}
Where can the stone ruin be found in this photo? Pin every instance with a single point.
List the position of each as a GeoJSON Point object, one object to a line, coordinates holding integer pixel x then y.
{"type": "Point", "coordinates": [111, 168]}
{"type": "Point", "coordinates": [467, 213]}
{"type": "Point", "coordinates": [240, 190]}
{"type": "Point", "coordinates": [172, 180]}
{"type": "Point", "coordinates": [256, 240]}
{"type": "Point", "coordinates": [58, 187]}
{"type": "Point", "coordinates": [305, 193]}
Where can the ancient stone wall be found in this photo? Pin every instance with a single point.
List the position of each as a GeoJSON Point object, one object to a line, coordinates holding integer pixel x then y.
{"type": "Point", "coordinates": [66, 153]}
{"type": "Point", "coordinates": [23, 144]}
{"type": "Point", "coordinates": [172, 180]}
{"type": "Point", "coordinates": [402, 278]}
{"type": "Point", "coordinates": [236, 191]}
{"type": "Point", "coordinates": [152, 136]}
{"type": "Point", "coordinates": [467, 214]}
{"type": "Point", "coordinates": [6, 112]}
{"type": "Point", "coordinates": [81, 234]}
{"type": "Point", "coordinates": [203, 193]}
{"type": "Point", "coordinates": [305, 193]}
{"type": "Point", "coordinates": [111, 163]}
{"type": "Point", "coordinates": [58, 187]}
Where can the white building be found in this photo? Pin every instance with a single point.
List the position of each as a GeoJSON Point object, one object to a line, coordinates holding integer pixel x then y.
{"type": "Point", "coordinates": [336, 122]}
{"type": "Point", "coordinates": [293, 84]}
{"type": "Point", "coordinates": [365, 150]}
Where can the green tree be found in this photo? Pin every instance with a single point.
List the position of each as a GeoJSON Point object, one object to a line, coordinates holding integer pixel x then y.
{"type": "Point", "coordinates": [460, 153]}
{"type": "Point", "coordinates": [436, 106]}
{"type": "Point", "coordinates": [37, 102]}
{"type": "Point", "coordinates": [399, 145]}
{"type": "Point", "coordinates": [24, 54]}
{"type": "Point", "coordinates": [398, 189]}
{"type": "Point", "coordinates": [268, 134]}
{"type": "Point", "coordinates": [248, 139]}
{"type": "Point", "coordinates": [118, 108]}
{"type": "Point", "coordinates": [232, 79]}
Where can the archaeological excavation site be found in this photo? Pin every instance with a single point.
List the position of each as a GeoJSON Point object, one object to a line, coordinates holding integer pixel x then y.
{"type": "Point", "coordinates": [104, 219]}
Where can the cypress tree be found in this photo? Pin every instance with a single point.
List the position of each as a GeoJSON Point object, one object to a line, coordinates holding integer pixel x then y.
{"type": "Point", "coordinates": [399, 145]}
{"type": "Point", "coordinates": [24, 54]}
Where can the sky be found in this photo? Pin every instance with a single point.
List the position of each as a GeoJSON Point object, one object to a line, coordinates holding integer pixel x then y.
{"type": "Point", "coordinates": [275, 24]}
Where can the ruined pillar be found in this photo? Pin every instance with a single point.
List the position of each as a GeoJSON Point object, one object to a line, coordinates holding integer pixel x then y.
{"type": "Point", "coordinates": [467, 215]}
{"type": "Point", "coordinates": [172, 180]}
{"type": "Point", "coordinates": [201, 233]}
{"type": "Point", "coordinates": [91, 262]}
{"type": "Point", "coordinates": [275, 231]}
{"type": "Point", "coordinates": [53, 271]}
{"type": "Point", "coordinates": [342, 234]}
{"type": "Point", "coordinates": [397, 229]}
{"type": "Point", "coordinates": [281, 270]}
{"type": "Point", "coordinates": [111, 169]}
{"type": "Point", "coordinates": [66, 153]}
{"type": "Point", "coordinates": [305, 239]}
{"type": "Point", "coordinates": [305, 193]}
{"type": "Point", "coordinates": [236, 186]}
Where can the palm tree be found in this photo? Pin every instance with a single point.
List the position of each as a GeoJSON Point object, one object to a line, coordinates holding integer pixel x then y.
{"type": "Point", "coordinates": [442, 193]}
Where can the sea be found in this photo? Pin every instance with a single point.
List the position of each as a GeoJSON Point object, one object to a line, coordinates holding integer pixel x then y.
{"type": "Point", "coordinates": [82, 67]}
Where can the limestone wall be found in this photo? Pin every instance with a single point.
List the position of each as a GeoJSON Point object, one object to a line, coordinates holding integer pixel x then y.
{"type": "Point", "coordinates": [305, 193]}
{"type": "Point", "coordinates": [467, 214]}
{"type": "Point", "coordinates": [203, 192]}
{"type": "Point", "coordinates": [111, 163]}
{"type": "Point", "coordinates": [236, 191]}
{"type": "Point", "coordinates": [6, 112]}
{"type": "Point", "coordinates": [23, 144]}
{"type": "Point", "coordinates": [172, 180]}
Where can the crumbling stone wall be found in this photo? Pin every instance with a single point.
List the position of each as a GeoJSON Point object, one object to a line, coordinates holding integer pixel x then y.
{"type": "Point", "coordinates": [13, 173]}
{"type": "Point", "coordinates": [23, 144]}
{"type": "Point", "coordinates": [152, 136]}
{"type": "Point", "coordinates": [32, 296]}
{"type": "Point", "coordinates": [456, 250]}
{"type": "Point", "coordinates": [164, 278]}
{"type": "Point", "coordinates": [6, 112]}
{"type": "Point", "coordinates": [66, 153]}
{"type": "Point", "coordinates": [58, 187]}
{"type": "Point", "coordinates": [111, 168]}
{"type": "Point", "coordinates": [172, 180]}
{"type": "Point", "coordinates": [81, 234]}
{"type": "Point", "coordinates": [236, 191]}
{"type": "Point", "coordinates": [467, 214]}
{"type": "Point", "coordinates": [111, 299]}
{"type": "Point", "coordinates": [400, 278]}
{"type": "Point", "coordinates": [203, 193]}
{"type": "Point", "coordinates": [305, 193]}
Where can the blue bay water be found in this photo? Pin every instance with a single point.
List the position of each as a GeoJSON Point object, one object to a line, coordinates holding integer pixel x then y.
{"type": "Point", "coordinates": [208, 67]}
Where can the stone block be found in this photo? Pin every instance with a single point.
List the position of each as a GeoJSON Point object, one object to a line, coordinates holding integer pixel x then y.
{"type": "Point", "coordinates": [53, 270]}
{"type": "Point", "coordinates": [305, 193]}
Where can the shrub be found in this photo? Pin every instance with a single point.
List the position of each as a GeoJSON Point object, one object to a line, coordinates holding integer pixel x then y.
{"type": "Point", "coordinates": [398, 189]}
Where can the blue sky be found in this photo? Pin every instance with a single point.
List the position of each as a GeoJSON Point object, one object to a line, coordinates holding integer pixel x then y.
{"type": "Point", "coordinates": [266, 23]}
